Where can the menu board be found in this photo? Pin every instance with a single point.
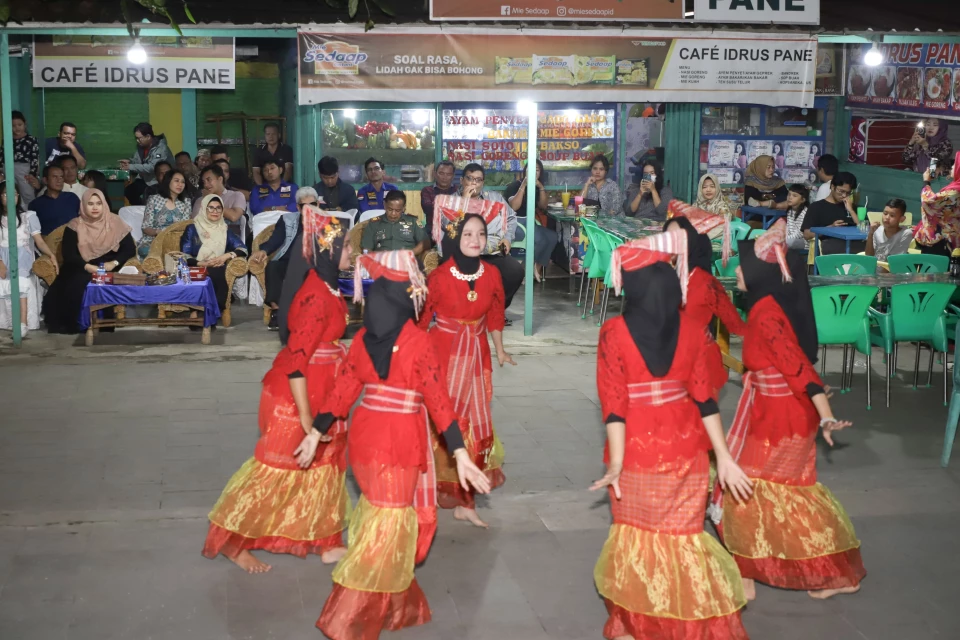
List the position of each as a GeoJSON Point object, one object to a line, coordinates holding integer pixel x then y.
{"type": "Point", "coordinates": [914, 77]}
{"type": "Point", "coordinates": [721, 153]}
{"type": "Point", "coordinates": [794, 160]}
{"type": "Point", "coordinates": [568, 139]}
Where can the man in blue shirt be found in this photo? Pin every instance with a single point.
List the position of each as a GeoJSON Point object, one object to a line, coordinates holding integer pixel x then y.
{"type": "Point", "coordinates": [335, 194]}
{"type": "Point", "coordinates": [275, 194]}
{"type": "Point", "coordinates": [371, 196]}
{"type": "Point", "coordinates": [56, 207]}
{"type": "Point", "coordinates": [65, 144]}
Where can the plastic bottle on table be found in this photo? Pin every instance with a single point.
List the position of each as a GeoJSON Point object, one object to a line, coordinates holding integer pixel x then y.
{"type": "Point", "coordinates": [101, 273]}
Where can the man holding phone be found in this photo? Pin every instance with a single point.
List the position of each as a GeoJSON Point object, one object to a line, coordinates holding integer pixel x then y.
{"type": "Point", "coordinates": [836, 210]}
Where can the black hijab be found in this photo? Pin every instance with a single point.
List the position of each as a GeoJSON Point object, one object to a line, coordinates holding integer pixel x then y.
{"type": "Point", "coordinates": [651, 309]}
{"type": "Point", "coordinates": [387, 309]}
{"type": "Point", "coordinates": [699, 247]}
{"type": "Point", "coordinates": [765, 279]}
{"type": "Point", "coordinates": [326, 264]}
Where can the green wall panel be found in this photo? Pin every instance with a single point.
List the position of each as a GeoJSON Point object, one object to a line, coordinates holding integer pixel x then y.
{"type": "Point", "coordinates": [252, 96]}
{"type": "Point", "coordinates": [105, 119]}
{"type": "Point", "coordinates": [682, 154]}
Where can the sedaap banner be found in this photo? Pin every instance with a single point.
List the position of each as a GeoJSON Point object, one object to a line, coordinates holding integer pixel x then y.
{"type": "Point", "coordinates": [553, 11]}
{"type": "Point", "coordinates": [414, 64]}
{"type": "Point", "coordinates": [172, 63]}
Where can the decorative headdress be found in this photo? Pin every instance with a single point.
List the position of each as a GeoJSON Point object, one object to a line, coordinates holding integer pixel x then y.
{"type": "Point", "coordinates": [772, 247]}
{"type": "Point", "coordinates": [319, 228]}
{"type": "Point", "coordinates": [703, 221]}
{"type": "Point", "coordinates": [449, 210]}
{"type": "Point", "coordinates": [644, 252]}
{"type": "Point", "coordinates": [399, 266]}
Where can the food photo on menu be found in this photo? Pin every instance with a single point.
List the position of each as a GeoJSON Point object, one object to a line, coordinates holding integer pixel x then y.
{"type": "Point", "coordinates": [884, 81]}
{"type": "Point", "coordinates": [956, 89]}
{"type": "Point", "coordinates": [858, 84]}
{"type": "Point", "coordinates": [937, 86]}
{"type": "Point", "coordinates": [909, 85]}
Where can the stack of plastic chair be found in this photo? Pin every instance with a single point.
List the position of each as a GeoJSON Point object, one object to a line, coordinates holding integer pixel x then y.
{"type": "Point", "coordinates": [599, 265]}
{"type": "Point", "coordinates": [729, 271]}
{"type": "Point", "coordinates": [612, 242]}
{"type": "Point", "coordinates": [841, 315]}
{"type": "Point", "coordinates": [587, 229]}
{"type": "Point", "coordinates": [842, 264]}
{"type": "Point", "coordinates": [739, 230]}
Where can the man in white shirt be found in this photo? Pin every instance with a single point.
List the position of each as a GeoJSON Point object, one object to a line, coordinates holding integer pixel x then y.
{"type": "Point", "coordinates": [71, 183]}
{"type": "Point", "coordinates": [887, 238]}
{"type": "Point", "coordinates": [827, 167]}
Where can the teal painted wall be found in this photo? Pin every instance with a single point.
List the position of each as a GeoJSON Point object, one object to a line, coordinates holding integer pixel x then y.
{"type": "Point", "coordinates": [682, 153]}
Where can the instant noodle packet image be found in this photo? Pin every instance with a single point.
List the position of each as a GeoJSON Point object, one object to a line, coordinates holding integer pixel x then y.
{"type": "Point", "coordinates": [554, 70]}
{"type": "Point", "coordinates": [596, 69]}
{"type": "Point", "coordinates": [513, 70]}
{"type": "Point", "coordinates": [633, 72]}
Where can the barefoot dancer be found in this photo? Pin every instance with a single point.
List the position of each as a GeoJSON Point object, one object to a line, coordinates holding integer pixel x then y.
{"type": "Point", "coordinates": [393, 362]}
{"type": "Point", "coordinates": [467, 297]}
{"type": "Point", "coordinates": [792, 533]}
{"type": "Point", "coordinates": [291, 496]}
{"type": "Point", "coordinates": [706, 298]}
{"type": "Point", "coordinates": [659, 573]}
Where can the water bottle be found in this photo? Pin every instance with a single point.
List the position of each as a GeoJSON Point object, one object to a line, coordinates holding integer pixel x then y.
{"type": "Point", "coordinates": [101, 273]}
{"type": "Point", "coordinates": [955, 264]}
{"type": "Point", "coordinates": [183, 271]}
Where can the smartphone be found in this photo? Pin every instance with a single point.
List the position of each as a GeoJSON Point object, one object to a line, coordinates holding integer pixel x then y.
{"type": "Point", "coordinates": [933, 165]}
{"type": "Point", "coordinates": [649, 177]}
{"type": "Point", "coordinates": [921, 130]}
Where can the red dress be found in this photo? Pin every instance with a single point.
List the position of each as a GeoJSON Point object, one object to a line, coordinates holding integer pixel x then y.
{"type": "Point", "coordinates": [706, 298]}
{"type": "Point", "coordinates": [659, 573]}
{"type": "Point", "coordinates": [270, 502]}
{"type": "Point", "coordinates": [391, 455]}
{"type": "Point", "coordinates": [792, 533]}
{"type": "Point", "coordinates": [460, 340]}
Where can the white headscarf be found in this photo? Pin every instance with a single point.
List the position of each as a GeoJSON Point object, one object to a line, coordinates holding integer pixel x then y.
{"type": "Point", "coordinates": [213, 234]}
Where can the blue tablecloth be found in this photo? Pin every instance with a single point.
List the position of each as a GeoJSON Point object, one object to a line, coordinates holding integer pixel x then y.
{"type": "Point", "coordinates": [346, 287]}
{"type": "Point", "coordinates": [198, 294]}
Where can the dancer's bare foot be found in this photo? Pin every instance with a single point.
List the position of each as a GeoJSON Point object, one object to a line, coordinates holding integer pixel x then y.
{"type": "Point", "coordinates": [823, 594]}
{"type": "Point", "coordinates": [333, 556]}
{"type": "Point", "coordinates": [249, 563]}
{"type": "Point", "coordinates": [750, 589]}
{"type": "Point", "coordinates": [469, 515]}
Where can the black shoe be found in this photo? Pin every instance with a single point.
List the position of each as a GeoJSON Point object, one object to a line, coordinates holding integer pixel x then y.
{"type": "Point", "coordinates": [508, 323]}
{"type": "Point", "coordinates": [274, 324]}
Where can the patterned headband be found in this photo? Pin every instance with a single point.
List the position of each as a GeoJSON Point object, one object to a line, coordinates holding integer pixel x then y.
{"type": "Point", "coordinates": [644, 252]}
{"type": "Point", "coordinates": [320, 228]}
{"type": "Point", "coordinates": [399, 266]}
{"type": "Point", "coordinates": [449, 211]}
{"type": "Point", "coordinates": [703, 221]}
{"type": "Point", "coordinates": [772, 247]}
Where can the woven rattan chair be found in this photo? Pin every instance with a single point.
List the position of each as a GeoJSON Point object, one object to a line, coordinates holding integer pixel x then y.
{"type": "Point", "coordinates": [258, 269]}
{"type": "Point", "coordinates": [44, 268]}
{"type": "Point", "coordinates": [431, 259]}
{"type": "Point", "coordinates": [168, 242]}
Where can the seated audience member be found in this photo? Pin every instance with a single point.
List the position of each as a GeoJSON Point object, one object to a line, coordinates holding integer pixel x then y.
{"type": "Point", "coordinates": [762, 186]}
{"type": "Point", "coordinates": [836, 210]}
{"type": "Point", "coordinates": [26, 159]}
{"type": "Point", "coordinates": [70, 182]}
{"type": "Point", "coordinates": [160, 170]}
{"type": "Point", "coordinates": [827, 167]}
{"type": "Point", "coordinates": [275, 193]}
{"type": "Point", "coordinates": [938, 232]}
{"type": "Point", "coordinates": [798, 200]}
{"type": "Point", "coordinates": [210, 243]}
{"type": "Point", "coordinates": [443, 185]}
{"type": "Point", "coordinates": [64, 144]}
{"type": "Point", "coordinates": [545, 239]}
{"type": "Point", "coordinates": [395, 229]}
{"type": "Point", "coordinates": [95, 180]}
{"type": "Point", "coordinates": [203, 159]}
{"type": "Point", "coordinates": [273, 148]}
{"type": "Point", "coordinates": [279, 243]}
{"type": "Point", "coordinates": [646, 198]}
{"type": "Point", "coordinates": [97, 237]}
{"type": "Point", "coordinates": [334, 194]}
{"type": "Point", "coordinates": [192, 174]}
{"type": "Point", "coordinates": [234, 205]}
{"type": "Point", "coordinates": [887, 238]}
{"type": "Point", "coordinates": [168, 207]}
{"type": "Point", "coordinates": [237, 180]}
{"type": "Point", "coordinates": [371, 195]}
{"type": "Point", "coordinates": [56, 207]}
{"type": "Point", "coordinates": [151, 149]}
{"type": "Point", "coordinates": [225, 168]}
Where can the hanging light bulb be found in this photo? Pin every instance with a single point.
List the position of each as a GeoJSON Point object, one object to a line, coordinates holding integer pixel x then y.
{"type": "Point", "coordinates": [137, 54]}
{"type": "Point", "coordinates": [873, 57]}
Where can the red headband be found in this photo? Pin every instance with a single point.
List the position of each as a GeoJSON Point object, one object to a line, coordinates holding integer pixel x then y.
{"type": "Point", "coordinates": [772, 247]}
{"type": "Point", "coordinates": [399, 266]}
{"type": "Point", "coordinates": [449, 210]}
{"type": "Point", "coordinates": [644, 252]}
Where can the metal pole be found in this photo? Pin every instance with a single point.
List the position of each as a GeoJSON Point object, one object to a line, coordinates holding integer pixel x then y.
{"type": "Point", "coordinates": [533, 154]}
{"type": "Point", "coordinates": [6, 98]}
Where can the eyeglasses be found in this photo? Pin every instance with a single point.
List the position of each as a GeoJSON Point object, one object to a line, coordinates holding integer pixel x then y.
{"type": "Point", "coordinates": [473, 179]}
{"type": "Point", "coordinates": [303, 204]}
{"type": "Point", "coordinates": [843, 193]}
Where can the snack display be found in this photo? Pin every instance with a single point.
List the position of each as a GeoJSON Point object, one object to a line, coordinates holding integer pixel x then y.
{"type": "Point", "coordinates": [909, 83]}
{"type": "Point", "coordinates": [554, 70]}
{"type": "Point", "coordinates": [513, 70]}
{"type": "Point", "coordinates": [596, 69]}
{"type": "Point", "coordinates": [633, 72]}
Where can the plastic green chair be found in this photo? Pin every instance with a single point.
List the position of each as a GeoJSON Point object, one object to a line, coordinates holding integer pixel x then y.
{"type": "Point", "coordinates": [917, 314]}
{"type": "Point", "coordinates": [918, 263]}
{"type": "Point", "coordinates": [587, 227]}
{"type": "Point", "coordinates": [953, 414]}
{"type": "Point", "coordinates": [739, 230]}
{"type": "Point", "coordinates": [600, 264]}
{"type": "Point", "coordinates": [846, 265]}
{"type": "Point", "coordinates": [841, 316]}
{"type": "Point", "coordinates": [755, 233]}
{"type": "Point", "coordinates": [520, 244]}
{"type": "Point", "coordinates": [729, 271]}
{"type": "Point", "coordinates": [614, 242]}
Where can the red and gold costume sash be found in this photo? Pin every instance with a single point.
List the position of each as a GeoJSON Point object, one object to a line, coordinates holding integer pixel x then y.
{"type": "Point", "coordinates": [656, 393]}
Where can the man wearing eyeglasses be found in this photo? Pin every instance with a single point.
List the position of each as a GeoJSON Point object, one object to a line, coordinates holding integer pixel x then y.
{"type": "Point", "coordinates": [498, 239]}
{"type": "Point", "coordinates": [285, 231]}
{"type": "Point", "coordinates": [836, 210]}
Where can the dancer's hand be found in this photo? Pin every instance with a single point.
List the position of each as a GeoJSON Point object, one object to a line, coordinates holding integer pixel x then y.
{"type": "Point", "coordinates": [504, 358]}
{"type": "Point", "coordinates": [733, 479]}
{"type": "Point", "coordinates": [827, 391]}
{"type": "Point", "coordinates": [307, 449]}
{"type": "Point", "coordinates": [610, 479]}
{"type": "Point", "coordinates": [469, 473]}
{"type": "Point", "coordinates": [831, 425]}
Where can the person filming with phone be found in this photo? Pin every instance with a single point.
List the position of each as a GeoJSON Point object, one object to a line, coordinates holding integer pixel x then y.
{"type": "Point", "coordinates": [939, 229]}
{"type": "Point", "coordinates": [836, 210]}
{"type": "Point", "coordinates": [649, 199]}
{"type": "Point", "coordinates": [929, 142]}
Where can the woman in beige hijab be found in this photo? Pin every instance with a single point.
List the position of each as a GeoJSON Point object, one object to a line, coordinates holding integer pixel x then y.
{"type": "Point", "coordinates": [209, 243]}
{"type": "Point", "coordinates": [710, 198]}
{"type": "Point", "coordinates": [97, 237]}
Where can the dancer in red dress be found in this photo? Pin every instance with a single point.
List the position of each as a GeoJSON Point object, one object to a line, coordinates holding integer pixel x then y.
{"type": "Point", "coordinates": [659, 573]}
{"type": "Point", "coordinates": [394, 364]}
{"type": "Point", "coordinates": [706, 298]}
{"type": "Point", "coordinates": [291, 496]}
{"type": "Point", "coordinates": [792, 533]}
{"type": "Point", "coordinates": [467, 297]}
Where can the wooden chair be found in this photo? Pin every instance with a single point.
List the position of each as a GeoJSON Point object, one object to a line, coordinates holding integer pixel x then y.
{"type": "Point", "coordinates": [44, 268]}
{"type": "Point", "coordinates": [168, 242]}
{"type": "Point", "coordinates": [431, 259]}
{"type": "Point", "coordinates": [258, 269]}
